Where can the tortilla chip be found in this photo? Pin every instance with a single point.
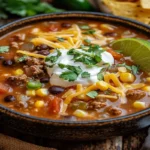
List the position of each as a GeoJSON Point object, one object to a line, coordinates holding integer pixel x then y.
{"type": "Point", "coordinates": [131, 10]}
{"type": "Point", "coordinates": [145, 4]}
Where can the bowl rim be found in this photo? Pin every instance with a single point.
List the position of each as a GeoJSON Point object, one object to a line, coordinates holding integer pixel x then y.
{"type": "Point", "coordinates": [15, 114]}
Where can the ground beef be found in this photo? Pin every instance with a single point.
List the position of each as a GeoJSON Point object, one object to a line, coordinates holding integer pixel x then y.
{"type": "Point", "coordinates": [34, 61]}
{"type": "Point", "coordinates": [96, 105]}
{"type": "Point", "coordinates": [17, 80]}
{"type": "Point", "coordinates": [17, 37]}
{"type": "Point", "coordinates": [34, 67]}
{"type": "Point", "coordinates": [114, 111]}
{"type": "Point", "coordinates": [135, 94]}
{"type": "Point", "coordinates": [14, 45]}
{"type": "Point", "coordinates": [34, 70]}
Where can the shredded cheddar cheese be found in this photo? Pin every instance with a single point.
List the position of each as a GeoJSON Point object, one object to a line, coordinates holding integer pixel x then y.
{"type": "Point", "coordinates": [31, 54]}
{"type": "Point", "coordinates": [38, 41]}
{"type": "Point", "coordinates": [107, 96]}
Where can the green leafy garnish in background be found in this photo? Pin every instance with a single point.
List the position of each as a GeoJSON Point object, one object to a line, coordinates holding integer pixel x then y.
{"type": "Point", "coordinates": [24, 8]}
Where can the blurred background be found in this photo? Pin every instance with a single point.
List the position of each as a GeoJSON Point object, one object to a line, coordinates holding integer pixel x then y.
{"type": "Point", "coordinates": [134, 9]}
{"type": "Point", "coordinates": [23, 8]}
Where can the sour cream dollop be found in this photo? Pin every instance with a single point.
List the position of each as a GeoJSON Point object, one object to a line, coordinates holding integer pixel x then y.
{"type": "Point", "coordinates": [55, 71]}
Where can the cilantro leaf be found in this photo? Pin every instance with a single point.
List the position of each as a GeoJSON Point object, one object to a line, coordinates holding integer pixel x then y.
{"type": "Point", "coordinates": [87, 41]}
{"type": "Point", "coordinates": [92, 94]}
{"type": "Point", "coordinates": [97, 58]}
{"type": "Point", "coordinates": [89, 32]}
{"type": "Point", "coordinates": [92, 56]}
{"type": "Point", "coordinates": [69, 76]}
{"type": "Point", "coordinates": [53, 59]}
{"type": "Point", "coordinates": [4, 49]}
{"type": "Point", "coordinates": [60, 39]}
{"type": "Point", "coordinates": [75, 69]}
{"type": "Point", "coordinates": [22, 59]}
{"type": "Point", "coordinates": [100, 76]}
{"type": "Point", "coordinates": [85, 75]}
{"type": "Point", "coordinates": [84, 27]}
{"type": "Point", "coordinates": [135, 69]}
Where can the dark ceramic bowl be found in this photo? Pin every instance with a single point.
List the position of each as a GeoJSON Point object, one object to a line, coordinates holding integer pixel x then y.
{"type": "Point", "coordinates": [69, 130]}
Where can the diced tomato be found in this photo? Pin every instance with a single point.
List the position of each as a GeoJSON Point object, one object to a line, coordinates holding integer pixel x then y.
{"type": "Point", "coordinates": [3, 88]}
{"type": "Point", "coordinates": [54, 105]}
{"type": "Point", "coordinates": [116, 55]}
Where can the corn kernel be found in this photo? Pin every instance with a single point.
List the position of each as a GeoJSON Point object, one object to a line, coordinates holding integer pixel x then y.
{"type": "Point", "coordinates": [148, 79]}
{"type": "Point", "coordinates": [139, 105]}
{"type": "Point", "coordinates": [122, 69]}
{"type": "Point", "coordinates": [30, 92]}
{"type": "Point", "coordinates": [103, 86]}
{"type": "Point", "coordinates": [39, 104]}
{"type": "Point", "coordinates": [127, 77]}
{"type": "Point", "coordinates": [42, 92]}
{"type": "Point", "coordinates": [18, 72]}
{"type": "Point", "coordinates": [146, 88]}
{"type": "Point", "coordinates": [80, 113]}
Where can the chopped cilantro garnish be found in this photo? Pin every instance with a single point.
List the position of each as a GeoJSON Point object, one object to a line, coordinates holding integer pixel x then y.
{"type": "Point", "coordinates": [22, 59]}
{"type": "Point", "coordinates": [87, 41]}
{"type": "Point", "coordinates": [89, 32]}
{"type": "Point", "coordinates": [98, 58]}
{"type": "Point", "coordinates": [53, 59]}
{"type": "Point", "coordinates": [100, 76]}
{"type": "Point", "coordinates": [92, 94]}
{"type": "Point", "coordinates": [75, 69]}
{"type": "Point", "coordinates": [69, 75]}
{"type": "Point", "coordinates": [4, 49]}
{"type": "Point", "coordinates": [91, 56]}
{"type": "Point", "coordinates": [60, 39]}
{"type": "Point", "coordinates": [84, 27]}
{"type": "Point", "coordinates": [85, 75]}
{"type": "Point", "coordinates": [134, 69]}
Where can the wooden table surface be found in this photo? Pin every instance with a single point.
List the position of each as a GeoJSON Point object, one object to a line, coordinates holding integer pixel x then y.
{"type": "Point", "coordinates": [134, 141]}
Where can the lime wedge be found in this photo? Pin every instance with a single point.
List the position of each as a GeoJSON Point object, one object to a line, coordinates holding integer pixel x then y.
{"type": "Point", "coordinates": [138, 49]}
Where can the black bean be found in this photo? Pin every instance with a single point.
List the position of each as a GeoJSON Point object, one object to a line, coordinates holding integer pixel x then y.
{"type": "Point", "coordinates": [42, 47]}
{"type": "Point", "coordinates": [56, 90]}
{"type": "Point", "coordinates": [1, 57]}
{"type": "Point", "coordinates": [44, 52]}
{"type": "Point", "coordinates": [44, 80]}
{"type": "Point", "coordinates": [8, 62]}
{"type": "Point", "coordinates": [9, 98]}
{"type": "Point", "coordinates": [66, 25]}
{"type": "Point", "coordinates": [113, 34]}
